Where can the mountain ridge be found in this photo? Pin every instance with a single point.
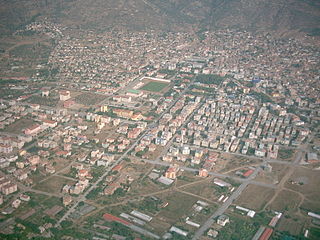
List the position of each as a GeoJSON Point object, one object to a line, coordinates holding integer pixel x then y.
{"type": "Point", "coordinates": [167, 15]}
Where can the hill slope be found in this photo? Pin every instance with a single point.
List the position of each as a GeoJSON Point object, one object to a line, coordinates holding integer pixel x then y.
{"type": "Point", "coordinates": [279, 15]}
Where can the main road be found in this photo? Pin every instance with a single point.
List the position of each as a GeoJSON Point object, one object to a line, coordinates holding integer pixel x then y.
{"type": "Point", "coordinates": [225, 205]}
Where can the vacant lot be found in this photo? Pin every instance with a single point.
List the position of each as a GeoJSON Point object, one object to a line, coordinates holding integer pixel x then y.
{"type": "Point", "coordinates": [89, 99]}
{"type": "Point", "coordinates": [286, 154]}
{"type": "Point", "coordinates": [286, 201]}
{"type": "Point", "coordinates": [154, 86]}
{"type": "Point", "coordinates": [255, 197]}
{"type": "Point", "coordinates": [307, 183]}
{"type": "Point", "coordinates": [53, 184]}
{"type": "Point", "coordinates": [232, 162]}
{"type": "Point", "coordinates": [203, 189]}
{"type": "Point", "coordinates": [293, 225]}
{"type": "Point", "coordinates": [19, 125]}
{"type": "Point", "coordinates": [179, 205]}
{"type": "Point", "coordinates": [145, 186]}
{"type": "Point", "coordinates": [60, 163]}
{"type": "Point", "coordinates": [275, 176]}
{"type": "Point", "coordinates": [46, 101]}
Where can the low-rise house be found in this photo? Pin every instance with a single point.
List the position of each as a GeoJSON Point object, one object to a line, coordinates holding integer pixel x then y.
{"type": "Point", "coordinates": [25, 198]}
{"type": "Point", "coordinates": [172, 172]}
{"type": "Point", "coordinates": [33, 130]}
{"type": "Point", "coordinates": [312, 157]}
{"type": "Point", "coordinates": [223, 220]}
{"type": "Point", "coordinates": [64, 95]}
{"type": "Point", "coordinates": [16, 203]}
{"type": "Point", "coordinates": [34, 160]}
{"type": "Point", "coordinates": [49, 123]}
{"type": "Point", "coordinates": [66, 200]}
{"type": "Point", "coordinates": [203, 173]}
{"type": "Point", "coordinates": [5, 148]}
{"type": "Point", "coordinates": [9, 188]}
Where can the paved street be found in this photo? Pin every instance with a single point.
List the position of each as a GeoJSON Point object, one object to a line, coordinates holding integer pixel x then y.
{"type": "Point", "coordinates": [224, 206]}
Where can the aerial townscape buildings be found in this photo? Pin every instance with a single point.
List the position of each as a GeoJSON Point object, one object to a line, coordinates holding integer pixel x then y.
{"type": "Point", "coordinates": [165, 136]}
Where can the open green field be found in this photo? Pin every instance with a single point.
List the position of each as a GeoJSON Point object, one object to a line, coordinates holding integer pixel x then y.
{"type": "Point", "coordinates": [154, 86]}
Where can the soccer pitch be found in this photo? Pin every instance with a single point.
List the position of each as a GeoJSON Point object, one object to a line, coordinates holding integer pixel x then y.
{"type": "Point", "coordinates": [154, 86]}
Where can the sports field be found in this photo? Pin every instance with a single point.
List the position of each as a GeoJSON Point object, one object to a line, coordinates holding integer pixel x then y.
{"type": "Point", "coordinates": [154, 86]}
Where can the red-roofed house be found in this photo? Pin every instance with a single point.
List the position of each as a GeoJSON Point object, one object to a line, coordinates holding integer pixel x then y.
{"type": "Point", "coordinates": [49, 123]}
{"type": "Point", "coordinates": [33, 130]}
{"type": "Point", "coordinates": [247, 173]}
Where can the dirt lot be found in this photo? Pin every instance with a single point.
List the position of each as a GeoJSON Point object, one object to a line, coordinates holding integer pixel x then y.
{"type": "Point", "coordinates": [313, 206]}
{"type": "Point", "coordinates": [203, 189]}
{"type": "Point", "coordinates": [294, 225]}
{"type": "Point", "coordinates": [159, 226]}
{"type": "Point", "coordinates": [89, 99]}
{"type": "Point", "coordinates": [19, 125]}
{"type": "Point", "coordinates": [232, 162]}
{"type": "Point", "coordinates": [53, 184]}
{"type": "Point", "coordinates": [108, 131]}
{"type": "Point", "coordinates": [153, 155]}
{"type": "Point", "coordinates": [60, 163]}
{"type": "Point", "coordinates": [255, 197]}
{"type": "Point", "coordinates": [275, 176]}
{"type": "Point", "coordinates": [285, 201]}
{"type": "Point", "coordinates": [179, 206]}
{"type": "Point", "coordinates": [306, 182]}
{"type": "Point", "coordinates": [286, 154]}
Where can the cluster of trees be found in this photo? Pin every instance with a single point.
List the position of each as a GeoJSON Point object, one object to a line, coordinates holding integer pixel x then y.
{"type": "Point", "coordinates": [210, 79]}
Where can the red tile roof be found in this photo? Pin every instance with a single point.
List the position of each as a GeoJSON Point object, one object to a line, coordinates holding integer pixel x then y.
{"type": "Point", "coordinates": [111, 218]}
{"type": "Point", "coordinates": [266, 234]}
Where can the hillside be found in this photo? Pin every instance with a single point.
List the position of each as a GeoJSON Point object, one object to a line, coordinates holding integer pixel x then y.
{"type": "Point", "coordinates": [278, 15]}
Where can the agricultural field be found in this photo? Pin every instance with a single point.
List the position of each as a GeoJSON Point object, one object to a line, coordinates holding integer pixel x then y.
{"type": "Point", "coordinates": [240, 228]}
{"type": "Point", "coordinates": [154, 86]}
{"type": "Point", "coordinates": [39, 203]}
